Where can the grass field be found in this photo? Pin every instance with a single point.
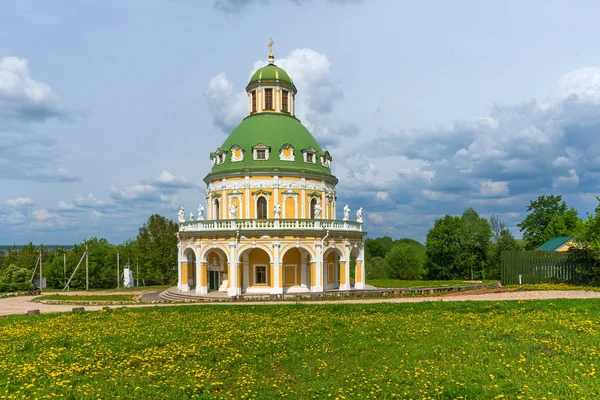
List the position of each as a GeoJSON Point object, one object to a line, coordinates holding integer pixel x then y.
{"type": "Point", "coordinates": [534, 349]}
{"type": "Point", "coordinates": [397, 283]}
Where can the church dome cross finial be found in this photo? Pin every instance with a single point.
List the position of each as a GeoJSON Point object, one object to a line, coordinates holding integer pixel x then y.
{"type": "Point", "coordinates": [271, 56]}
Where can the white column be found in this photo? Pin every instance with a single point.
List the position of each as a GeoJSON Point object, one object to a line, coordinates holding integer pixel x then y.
{"type": "Point", "coordinates": [247, 196]}
{"type": "Point", "coordinates": [360, 266]}
{"type": "Point", "coordinates": [246, 271]}
{"type": "Point", "coordinates": [303, 198]}
{"type": "Point", "coordinates": [224, 203]}
{"type": "Point", "coordinates": [277, 288]}
{"type": "Point", "coordinates": [233, 271]}
{"type": "Point", "coordinates": [303, 282]}
{"type": "Point", "coordinates": [318, 270]}
{"type": "Point", "coordinates": [179, 283]}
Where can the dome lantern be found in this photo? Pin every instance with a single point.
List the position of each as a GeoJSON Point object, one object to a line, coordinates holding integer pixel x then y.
{"type": "Point", "coordinates": [271, 89]}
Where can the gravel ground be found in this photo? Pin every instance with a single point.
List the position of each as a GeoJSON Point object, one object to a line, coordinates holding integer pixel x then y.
{"type": "Point", "coordinates": [22, 304]}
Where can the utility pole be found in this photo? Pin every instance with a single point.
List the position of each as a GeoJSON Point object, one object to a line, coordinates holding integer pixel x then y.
{"type": "Point", "coordinates": [118, 276]}
{"type": "Point", "coordinates": [87, 282]}
{"type": "Point", "coordinates": [41, 268]}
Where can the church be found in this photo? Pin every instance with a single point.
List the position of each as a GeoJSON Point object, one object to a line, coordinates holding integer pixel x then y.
{"type": "Point", "coordinates": [269, 224]}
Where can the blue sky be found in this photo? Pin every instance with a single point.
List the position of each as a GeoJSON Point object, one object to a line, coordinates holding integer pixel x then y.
{"type": "Point", "coordinates": [108, 110]}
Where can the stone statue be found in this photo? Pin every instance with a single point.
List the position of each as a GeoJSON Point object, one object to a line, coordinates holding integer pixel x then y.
{"type": "Point", "coordinates": [181, 215]}
{"type": "Point", "coordinates": [191, 216]}
{"type": "Point", "coordinates": [317, 209]}
{"type": "Point", "coordinates": [277, 210]}
{"type": "Point", "coordinates": [346, 212]}
{"type": "Point", "coordinates": [232, 211]}
{"type": "Point", "coordinates": [200, 213]}
{"type": "Point", "coordinates": [359, 216]}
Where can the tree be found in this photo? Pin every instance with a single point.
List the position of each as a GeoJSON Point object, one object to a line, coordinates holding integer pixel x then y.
{"type": "Point", "coordinates": [503, 241]}
{"type": "Point", "coordinates": [587, 236]}
{"type": "Point", "coordinates": [405, 260]}
{"type": "Point", "coordinates": [375, 268]}
{"type": "Point", "coordinates": [476, 235]}
{"type": "Point", "coordinates": [548, 217]}
{"type": "Point", "coordinates": [156, 249]}
{"type": "Point", "coordinates": [444, 248]}
{"type": "Point", "coordinates": [378, 247]}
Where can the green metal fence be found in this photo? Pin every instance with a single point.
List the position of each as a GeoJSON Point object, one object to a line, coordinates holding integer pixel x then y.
{"type": "Point", "coordinates": [527, 267]}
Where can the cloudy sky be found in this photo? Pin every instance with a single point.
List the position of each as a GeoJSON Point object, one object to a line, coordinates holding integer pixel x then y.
{"type": "Point", "coordinates": [108, 110]}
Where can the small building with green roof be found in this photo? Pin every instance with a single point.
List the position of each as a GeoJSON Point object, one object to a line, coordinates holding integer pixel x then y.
{"type": "Point", "coordinates": [558, 243]}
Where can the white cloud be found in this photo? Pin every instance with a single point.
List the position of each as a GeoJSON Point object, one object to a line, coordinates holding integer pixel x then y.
{"type": "Point", "coordinates": [168, 180]}
{"type": "Point", "coordinates": [227, 106]}
{"type": "Point", "coordinates": [19, 202]}
{"type": "Point", "coordinates": [490, 188]}
{"type": "Point", "coordinates": [96, 214]}
{"type": "Point", "coordinates": [43, 215]}
{"type": "Point", "coordinates": [583, 83]}
{"type": "Point", "coordinates": [88, 201]}
{"type": "Point", "coordinates": [570, 180]}
{"type": "Point", "coordinates": [23, 98]}
{"type": "Point", "coordinates": [65, 206]}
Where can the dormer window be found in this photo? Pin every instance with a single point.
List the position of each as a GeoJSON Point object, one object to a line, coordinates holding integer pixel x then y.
{"type": "Point", "coordinates": [268, 99]}
{"type": "Point", "coordinates": [218, 157]}
{"type": "Point", "coordinates": [260, 152]}
{"type": "Point", "coordinates": [310, 155]}
{"type": "Point", "coordinates": [254, 101]}
{"type": "Point", "coordinates": [326, 160]}
{"type": "Point", "coordinates": [284, 101]}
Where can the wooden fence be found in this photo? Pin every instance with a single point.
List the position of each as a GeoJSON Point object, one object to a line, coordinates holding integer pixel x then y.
{"type": "Point", "coordinates": [527, 267]}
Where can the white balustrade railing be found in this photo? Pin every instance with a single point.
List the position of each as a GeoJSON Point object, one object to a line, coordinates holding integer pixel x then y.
{"type": "Point", "coordinates": [269, 224]}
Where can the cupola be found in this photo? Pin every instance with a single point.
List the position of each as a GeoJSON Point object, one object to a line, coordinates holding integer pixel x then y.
{"type": "Point", "coordinates": [271, 89]}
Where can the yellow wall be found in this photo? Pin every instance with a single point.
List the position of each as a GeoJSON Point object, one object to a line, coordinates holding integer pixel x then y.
{"type": "Point", "coordinates": [259, 257]}
{"type": "Point", "coordinates": [184, 273]}
{"type": "Point", "coordinates": [290, 208]}
{"type": "Point", "coordinates": [291, 257]}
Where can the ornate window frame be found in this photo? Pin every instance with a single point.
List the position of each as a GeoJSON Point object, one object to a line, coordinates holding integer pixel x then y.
{"type": "Point", "coordinates": [282, 156]}
{"type": "Point", "coordinates": [233, 150]}
{"type": "Point", "coordinates": [255, 270]}
{"type": "Point", "coordinates": [313, 155]}
{"type": "Point", "coordinates": [261, 147]}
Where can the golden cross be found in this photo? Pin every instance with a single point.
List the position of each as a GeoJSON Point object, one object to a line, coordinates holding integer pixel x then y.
{"type": "Point", "coordinates": [271, 45]}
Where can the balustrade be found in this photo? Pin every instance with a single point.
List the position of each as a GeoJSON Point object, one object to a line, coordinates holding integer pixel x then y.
{"type": "Point", "coordinates": [270, 224]}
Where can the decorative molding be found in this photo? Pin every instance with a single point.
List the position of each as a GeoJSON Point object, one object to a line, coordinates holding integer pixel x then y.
{"type": "Point", "coordinates": [270, 183]}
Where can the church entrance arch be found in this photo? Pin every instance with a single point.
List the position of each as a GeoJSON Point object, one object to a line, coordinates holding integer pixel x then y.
{"type": "Point", "coordinates": [216, 269]}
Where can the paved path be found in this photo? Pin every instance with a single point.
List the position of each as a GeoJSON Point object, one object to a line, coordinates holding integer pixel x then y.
{"type": "Point", "coordinates": [21, 304]}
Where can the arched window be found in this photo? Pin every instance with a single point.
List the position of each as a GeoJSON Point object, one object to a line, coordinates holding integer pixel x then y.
{"type": "Point", "coordinates": [217, 214]}
{"type": "Point", "coordinates": [261, 208]}
{"type": "Point", "coordinates": [313, 204]}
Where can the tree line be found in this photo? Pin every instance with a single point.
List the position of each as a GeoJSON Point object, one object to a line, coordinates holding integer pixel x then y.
{"type": "Point", "coordinates": [152, 255]}
{"type": "Point", "coordinates": [470, 246]}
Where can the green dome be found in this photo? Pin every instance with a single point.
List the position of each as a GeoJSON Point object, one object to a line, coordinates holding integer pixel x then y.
{"type": "Point", "coordinates": [274, 131]}
{"type": "Point", "coordinates": [270, 73]}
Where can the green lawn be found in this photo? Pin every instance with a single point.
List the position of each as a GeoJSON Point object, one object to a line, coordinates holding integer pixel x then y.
{"type": "Point", "coordinates": [397, 283]}
{"type": "Point", "coordinates": [475, 350]}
